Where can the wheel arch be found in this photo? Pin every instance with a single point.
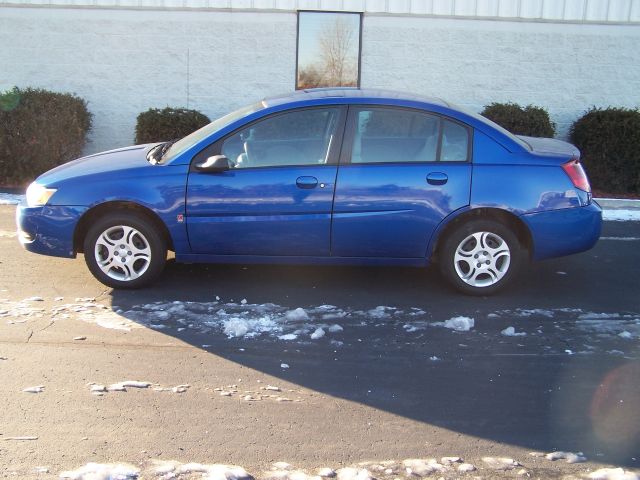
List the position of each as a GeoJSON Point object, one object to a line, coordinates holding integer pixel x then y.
{"type": "Point", "coordinates": [105, 208]}
{"type": "Point", "coordinates": [505, 217]}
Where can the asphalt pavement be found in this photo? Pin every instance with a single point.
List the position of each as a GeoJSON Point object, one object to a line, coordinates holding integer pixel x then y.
{"type": "Point", "coordinates": [321, 366]}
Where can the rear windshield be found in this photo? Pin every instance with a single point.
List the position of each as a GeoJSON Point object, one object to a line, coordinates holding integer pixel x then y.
{"type": "Point", "coordinates": [495, 126]}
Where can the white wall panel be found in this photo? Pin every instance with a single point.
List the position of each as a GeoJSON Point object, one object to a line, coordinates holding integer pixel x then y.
{"type": "Point", "coordinates": [615, 11]}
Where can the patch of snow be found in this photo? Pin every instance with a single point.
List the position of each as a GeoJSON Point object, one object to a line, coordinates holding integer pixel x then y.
{"type": "Point", "coordinates": [327, 472]}
{"type": "Point", "coordinates": [450, 460]}
{"type": "Point", "coordinates": [459, 324]}
{"type": "Point", "coordinates": [102, 471]}
{"type": "Point", "coordinates": [335, 328]}
{"type": "Point", "coordinates": [297, 315]}
{"type": "Point", "coordinates": [511, 332]}
{"type": "Point", "coordinates": [622, 215]}
{"type": "Point", "coordinates": [570, 457]}
{"type": "Point", "coordinates": [82, 337]}
{"type": "Point", "coordinates": [466, 467]}
{"type": "Point", "coordinates": [422, 468]}
{"type": "Point", "coordinates": [34, 299]}
{"type": "Point", "coordinates": [284, 366]}
{"type": "Point", "coordinates": [626, 335]}
{"type": "Point", "coordinates": [613, 474]}
{"type": "Point", "coordinates": [36, 389]}
{"type": "Point", "coordinates": [380, 312]}
{"type": "Point", "coordinates": [288, 336]}
{"type": "Point", "coordinates": [435, 359]}
{"type": "Point", "coordinates": [318, 333]}
{"type": "Point", "coordinates": [122, 386]}
{"type": "Point", "coordinates": [174, 469]}
{"type": "Point", "coordinates": [500, 463]}
{"type": "Point", "coordinates": [10, 198]}
{"type": "Point", "coordinates": [527, 312]}
{"type": "Point", "coordinates": [350, 473]}
{"type": "Point", "coordinates": [561, 273]}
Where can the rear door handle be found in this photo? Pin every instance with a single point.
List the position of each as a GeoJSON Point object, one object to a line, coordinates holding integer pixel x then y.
{"type": "Point", "coordinates": [437, 178]}
{"type": "Point", "coordinates": [307, 182]}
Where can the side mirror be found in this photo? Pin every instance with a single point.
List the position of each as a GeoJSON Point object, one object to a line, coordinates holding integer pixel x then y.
{"type": "Point", "coordinates": [217, 163]}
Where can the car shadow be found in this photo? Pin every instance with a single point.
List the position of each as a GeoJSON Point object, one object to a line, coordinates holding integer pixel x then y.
{"type": "Point", "coordinates": [528, 392]}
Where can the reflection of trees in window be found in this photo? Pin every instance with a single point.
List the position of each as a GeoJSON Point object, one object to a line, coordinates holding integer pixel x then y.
{"type": "Point", "coordinates": [337, 64]}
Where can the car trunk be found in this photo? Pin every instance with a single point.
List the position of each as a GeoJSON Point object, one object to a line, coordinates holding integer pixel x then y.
{"type": "Point", "coordinates": [551, 146]}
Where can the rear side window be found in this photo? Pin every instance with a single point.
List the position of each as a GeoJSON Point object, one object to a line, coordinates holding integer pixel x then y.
{"type": "Point", "coordinates": [455, 142]}
{"type": "Point", "coordinates": [394, 135]}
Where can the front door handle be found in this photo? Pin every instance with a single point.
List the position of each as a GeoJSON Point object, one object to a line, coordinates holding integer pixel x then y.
{"type": "Point", "coordinates": [307, 182]}
{"type": "Point", "coordinates": [437, 178]}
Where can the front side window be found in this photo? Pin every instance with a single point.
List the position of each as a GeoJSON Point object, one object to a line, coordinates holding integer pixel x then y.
{"type": "Point", "coordinates": [301, 137]}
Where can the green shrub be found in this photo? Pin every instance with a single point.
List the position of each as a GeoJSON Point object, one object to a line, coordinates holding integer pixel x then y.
{"type": "Point", "coordinates": [608, 140]}
{"type": "Point", "coordinates": [157, 125]}
{"type": "Point", "coordinates": [530, 120]}
{"type": "Point", "coordinates": [39, 130]}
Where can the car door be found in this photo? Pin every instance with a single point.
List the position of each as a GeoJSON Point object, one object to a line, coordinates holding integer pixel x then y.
{"type": "Point", "coordinates": [277, 197]}
{"type": "Point", "coordinates": [402, 172]}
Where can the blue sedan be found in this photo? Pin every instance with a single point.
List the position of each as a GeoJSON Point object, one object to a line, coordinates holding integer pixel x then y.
{"type": "Point", "coordinates": [325, 176]}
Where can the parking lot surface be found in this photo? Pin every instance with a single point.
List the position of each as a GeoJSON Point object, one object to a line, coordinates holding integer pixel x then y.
{"type": "Point", "coordinates": [370, 372]}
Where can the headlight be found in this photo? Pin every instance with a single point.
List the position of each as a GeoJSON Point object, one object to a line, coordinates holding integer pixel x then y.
{"type": "Point", "coordinates": [38, 195]}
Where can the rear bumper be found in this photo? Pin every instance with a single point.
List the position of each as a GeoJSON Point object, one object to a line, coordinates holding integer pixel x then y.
{"type": "Point", "coordinates": [563, 232]}
{"type": "Point", "coordinates": [48, 230]}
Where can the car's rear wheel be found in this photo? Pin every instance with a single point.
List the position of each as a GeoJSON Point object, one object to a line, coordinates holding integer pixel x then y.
{"type": "Point", "coordinates": [480, 257]}
{"type": "Point", "coordinates": [125, 250]}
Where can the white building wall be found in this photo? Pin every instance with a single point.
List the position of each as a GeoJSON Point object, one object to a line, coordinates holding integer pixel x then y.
{"type": "Point", "coordinates": [565, 68]}
{"type": "Point", "coordinates": [126, 60]}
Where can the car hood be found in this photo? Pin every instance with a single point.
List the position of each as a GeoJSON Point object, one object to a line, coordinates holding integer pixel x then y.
{"type": "Point", "coordinates": [103, 162]}
{"type": "Point", "coordinates": [551, 146]}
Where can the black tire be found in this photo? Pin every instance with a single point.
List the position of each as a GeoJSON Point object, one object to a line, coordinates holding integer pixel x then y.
{"type": "Point", "coordinates": [497, 269]}
{"type": "Point", "coordinates": [144, 255]}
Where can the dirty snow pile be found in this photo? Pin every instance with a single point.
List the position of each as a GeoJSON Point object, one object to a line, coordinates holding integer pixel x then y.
{"type": "Point", "coordinates": [622, 215]}
{"type": "Point", "coordinates": [10, 198]}
{"type": "Point", "coordinates": [569, 457]}
{"type": "Point", "coordinates": [613, 474]}
{"type": "Point", "coordinates": [172, 469]}
{"type": "Point", "coordinates": [459, 324]}
{"type": "Point", "coordinates": [102, 471]}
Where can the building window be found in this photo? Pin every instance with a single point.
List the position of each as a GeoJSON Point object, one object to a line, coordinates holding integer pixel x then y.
{"type": "Point", "coordinates": [328, 49]}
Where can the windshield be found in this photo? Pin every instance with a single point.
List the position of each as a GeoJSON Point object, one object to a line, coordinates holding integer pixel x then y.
{"type": "Point", "coordinates": [184, 143]}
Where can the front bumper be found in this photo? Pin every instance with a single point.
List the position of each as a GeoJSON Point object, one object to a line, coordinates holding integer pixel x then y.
{"type": "Point", "coordinates": [48, 230]}
{"type": "Point", "coordinates": [556, 233]}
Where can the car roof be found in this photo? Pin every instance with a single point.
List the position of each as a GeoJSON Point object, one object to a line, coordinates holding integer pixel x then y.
{"type": "Point", "coordinates": [350, 93]}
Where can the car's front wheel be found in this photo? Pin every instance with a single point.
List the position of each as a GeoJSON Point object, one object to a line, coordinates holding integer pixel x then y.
{"type": "Point", "coordinates": [125, 250]}
{"type": "Point", "coordinates": [480, 257]}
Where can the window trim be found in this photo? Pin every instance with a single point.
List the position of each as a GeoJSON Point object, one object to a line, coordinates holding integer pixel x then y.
{"type": "Point", "coordinates": [360, 14]}
{"type": "Point", "coordinates": [350, 131]}
{"type": "Point", "coordinates": [334, 148]}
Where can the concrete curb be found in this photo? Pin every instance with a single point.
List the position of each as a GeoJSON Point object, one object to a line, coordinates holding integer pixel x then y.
{"type": "Point", "coordinates": [618, 203]}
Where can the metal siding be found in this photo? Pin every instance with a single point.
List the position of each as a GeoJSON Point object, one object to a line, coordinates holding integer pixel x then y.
{"type": "Point", "coordinates": [618, 11]}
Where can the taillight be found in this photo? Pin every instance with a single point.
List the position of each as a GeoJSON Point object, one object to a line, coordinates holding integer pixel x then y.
{"type": "Point", "coordinates": [577, 174]}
